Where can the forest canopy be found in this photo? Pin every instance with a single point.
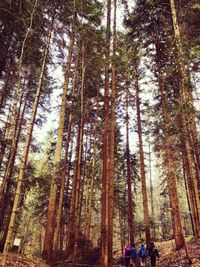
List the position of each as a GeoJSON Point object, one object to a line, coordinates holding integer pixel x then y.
{"type": "Point", "coordinates": [99, 127]}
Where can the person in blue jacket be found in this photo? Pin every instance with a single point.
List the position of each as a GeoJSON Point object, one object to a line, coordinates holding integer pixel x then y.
{"type": "Point", "coordinates": [142, 255]}
{"type": "Point", "coordinates": [133, 255]}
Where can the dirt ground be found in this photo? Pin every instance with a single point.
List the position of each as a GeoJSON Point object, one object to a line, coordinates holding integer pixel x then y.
{"type": "Point", "coordinates": [168, 256]}
{"type": "Point", "coordinates": [15, 260]}
{"type": "Point", "coordinates": [171, 258]}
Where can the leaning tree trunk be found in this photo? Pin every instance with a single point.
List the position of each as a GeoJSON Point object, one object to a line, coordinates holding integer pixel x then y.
{"type": "Point", "coordinates": [142, 164]}
{"type": "Point", "coordinates": [26, 151]}
{"type": "Point", "coordinates": [49, 230]}
{"type": "Point", "coordinates": [128, 166]}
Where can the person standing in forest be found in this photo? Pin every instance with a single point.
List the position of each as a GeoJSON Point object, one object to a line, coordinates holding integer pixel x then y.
{"type": "Point", "coordinates": [133, 255]}
{"type": "Point", "coordinates": [142, 255]}
{"type": "Point", "coordinates": [153, 254]}
{"type": "Point", "coordinates": [127, 255]}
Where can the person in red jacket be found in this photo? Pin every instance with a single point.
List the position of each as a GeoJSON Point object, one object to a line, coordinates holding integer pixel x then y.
{"type": "Point", "coordinates": [127, 255]}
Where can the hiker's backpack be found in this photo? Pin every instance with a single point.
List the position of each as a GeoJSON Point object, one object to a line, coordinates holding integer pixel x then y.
{"type": "Point", "coordinates": [133, 253]}
{"type": "Point", "coordinates": [143, 253]}
{"type": "Point", "coordinates": [127, 252]}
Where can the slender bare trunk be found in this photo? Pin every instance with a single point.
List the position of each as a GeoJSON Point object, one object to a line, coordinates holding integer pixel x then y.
{"type": "Point", "coordinates": [187, 195]}
{"type": "Point", "coordinates": [112, 148]}
{"type": "Point", "coordinates": [12, 152]}
{"type": "Point", "coordinates": [49, 231]}
{"type": "Point", "coordinates": [79, 160]}
{"type": "Point", "coordinates": [104, 209]}
{"type": "Point", "coordinates": [151, 194]}
{"type": "Point", "coordinates": [128, 166]}
{"type": "Point", "coordinates": [171, 174]}
{"type": "Point", "coordinates": [64, 173]}
{"type": "Point", "coordinates": [5, 138]}
{"type": "Point", "coordinates": [91, 193]}
{"type": "Point", "coordinates": [9, 168]}
{"type": "Point", "coordinates": [85, 177]}
{"type": "Point", "coordinates": [87, 173]}
{"type": "Point", "coordinates": [142, 164]}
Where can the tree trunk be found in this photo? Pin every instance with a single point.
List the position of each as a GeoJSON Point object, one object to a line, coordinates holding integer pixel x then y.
{"type": "Point", "coordinates": [128, 164]}
{"type": "Point", "coordinates": [104, 207]}
{"type": "Point", "coordinates": [49, 231]}
{"type": "Point", "coordinates": [186, 103]}
{"type": "Point", "coordinates": [151, 194]}
{"type": "Point", "coordinates": [5, 138]}
{"type": "Point", "coordinates": [191, 187]}
{"type": "Point", "coordinates": [79, 160]}
{"type": "Point", "coordinates": [5, 89]}
{"type": "Point", "coordinates": [10, 164]}
{"type": "Point", "coordinates": [171, 174]}
{"type": "Point", "coordinates": [187, 196]}
{"type": "Point", "coordinates": [64, 173]}
{"type": "Point", "coordinates": [26, 150]}
{"type": "Point", "coordinates": [91, 193]}
{"type": "Point", "coordinates": [85, 177]}
{"type": "Point", "coordinates": [87, 173]}
{"type": "Point", "coordinates": [142, 164]}
{"type": "Point", "coordinates": [13, 149]}
{"type": "Point", "coordinates": [112, 148]}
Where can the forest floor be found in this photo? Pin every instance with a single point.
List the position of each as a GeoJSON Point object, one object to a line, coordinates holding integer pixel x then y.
{"type": "Point", "coordinates": [16, 260]}
{"type": "Point", "coordinates": [171, 258]}
{"type": "Point", "coordinates": [168, 256]}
